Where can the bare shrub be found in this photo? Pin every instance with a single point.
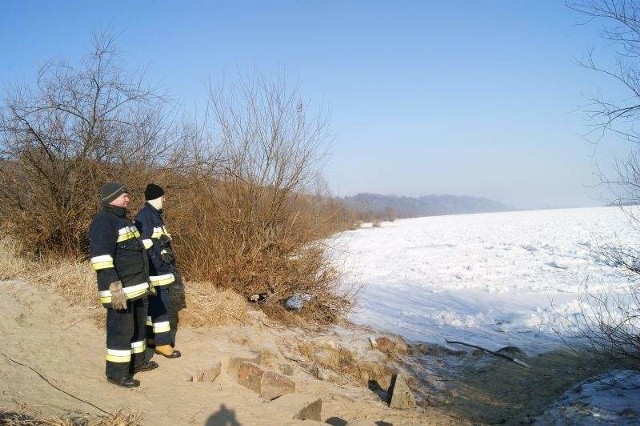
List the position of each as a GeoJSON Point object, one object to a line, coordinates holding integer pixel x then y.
{"type": "Point", "coordinates": [251, 254]}
{"type": "Point", "coordinates": [78, 127]}
{"type": "Point", "coordinates": [609, 322]}
{"type": "Point", "coordinates": [252, 219]}
{"type": "Point", "coordinates": [248, 213]}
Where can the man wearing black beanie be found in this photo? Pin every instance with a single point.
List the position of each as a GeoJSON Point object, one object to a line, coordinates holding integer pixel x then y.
{"type": "Point", "coordinates": [119, 259]}
{"type": "Point", "coordinates": [162, 267]}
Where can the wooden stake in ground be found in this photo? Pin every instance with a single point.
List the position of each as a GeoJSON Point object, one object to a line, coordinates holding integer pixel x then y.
{"type": "Point", "coordinates": [516, 360]}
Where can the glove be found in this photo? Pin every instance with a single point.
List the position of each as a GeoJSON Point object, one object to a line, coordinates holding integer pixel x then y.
{"type": "Point", "coordinates": [118, 298]}
{"type": "Point", "coordinates": [167, 255]}
{"type": "Point", "coordinates": [165, 240]}
{"type": "Point", "coordinates": [152, 289]}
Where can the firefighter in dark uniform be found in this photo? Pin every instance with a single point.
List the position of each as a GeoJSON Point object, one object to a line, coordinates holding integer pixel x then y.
{"type": "Point", "coordinates": [162, 270]}
{"type": "Point", "coordinates": [120, 261]}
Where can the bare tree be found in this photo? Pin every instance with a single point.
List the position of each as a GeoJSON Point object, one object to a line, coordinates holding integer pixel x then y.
{"type": "Point", "coordinates": [256, 223]}
{"type": "Point", "coordinates": [611, 321]}
{"type": "Point", "coordinates": [60, 139]}
{"type": "Point", "coordinates": [619, 22]}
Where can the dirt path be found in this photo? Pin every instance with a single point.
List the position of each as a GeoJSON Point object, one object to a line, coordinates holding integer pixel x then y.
{"type": "Point", "coordinates": [52, 365]}
{"type": "Point", "coordinates": [40, 333]}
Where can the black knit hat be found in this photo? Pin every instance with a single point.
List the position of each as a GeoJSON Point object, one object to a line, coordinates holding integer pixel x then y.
{"type": "Point", "coordinates": [110, 191]}
{"type": "Point", "coordinates": [152, 192]}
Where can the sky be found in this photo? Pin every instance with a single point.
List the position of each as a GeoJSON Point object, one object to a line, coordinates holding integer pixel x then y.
{"type": "Point", "coordinates": [496, 280]}
{"type": "Point", "coordinates": [426, 97]}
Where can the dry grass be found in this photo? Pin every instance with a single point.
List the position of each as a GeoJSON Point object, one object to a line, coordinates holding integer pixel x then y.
{"type": "Point", "coordinates": [120, 418]}
{"type": "Point", "coordinates": [13, 265]}
{"type": "Point", "coordinates": [72, 279]}
{"type": "Point", "coordinates": [200, 304]}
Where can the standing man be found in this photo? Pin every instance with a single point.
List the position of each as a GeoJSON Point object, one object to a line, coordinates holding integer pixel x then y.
{"type": "Point", "coordinates": [162, 267]}
{"type": "Point", "coordinates": [119, 259]}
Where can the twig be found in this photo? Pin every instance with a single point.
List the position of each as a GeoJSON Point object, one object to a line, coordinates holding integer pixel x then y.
{"type": "Point", "coordinates": [516, 360]}
{"type": "Point", "coordinates": [294, 359]}
{"type": "Point", "coordinates": [76, 322]}
{"type": "Point", "coordinates": [55, 387]}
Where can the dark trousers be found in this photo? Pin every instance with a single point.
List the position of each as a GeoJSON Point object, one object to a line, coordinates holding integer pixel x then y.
{"type": "Point", "coordinates": [126, 339]}
{"type": "Point", "coordinates": [159, 330]}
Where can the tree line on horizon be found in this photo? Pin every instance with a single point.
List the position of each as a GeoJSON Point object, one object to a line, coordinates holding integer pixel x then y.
{"type": "Point", "coordinates": [376, 207]}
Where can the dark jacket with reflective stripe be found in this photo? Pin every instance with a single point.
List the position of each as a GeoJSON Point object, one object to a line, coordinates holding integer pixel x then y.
{"type": "Point", "coordinates": [117, 254]}
{"type": "Point", "coordinates": [156, 239]}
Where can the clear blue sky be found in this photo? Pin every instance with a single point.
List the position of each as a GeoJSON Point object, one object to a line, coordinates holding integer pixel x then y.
{"type": "Point", "coordinates": [465, 97]}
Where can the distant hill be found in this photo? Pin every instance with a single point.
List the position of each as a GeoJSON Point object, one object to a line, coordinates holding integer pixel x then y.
{"type": "Point", "coordinates": [394, 206]}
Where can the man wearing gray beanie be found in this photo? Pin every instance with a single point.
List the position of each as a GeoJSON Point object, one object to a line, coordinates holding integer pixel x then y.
{"type": "Point", "coordinates": [120, 261]}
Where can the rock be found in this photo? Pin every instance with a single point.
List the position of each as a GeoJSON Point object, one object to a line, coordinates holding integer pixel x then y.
{"type": "Point", "coordinates": [312, 411]}
{"type": "Point", "coordinates": [285, 369]}
{"type": "Point", "coordinates": [297, 301]}
{"type": "Point", "coordinates": [268, 384]}
{"type": "Point", "coordinates": [274, 385]}
{"type": "Point", "coordinates": [250, 375]}
{"type": "Point", "coordinates": [401, 396]}
{"type": "Point", "coordinates": [208, 374]}
{"type": "Point", "coordinates": [266, 358]}
{"type": "Point", "coordinates": [234, 364]}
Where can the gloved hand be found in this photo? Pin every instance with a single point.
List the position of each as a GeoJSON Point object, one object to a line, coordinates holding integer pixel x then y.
{"type": "Point", "coordinates": [118, 298]}
{"type": "Point", "coordinates": [167, 255]}
{"type": "Point", "coordinates": [165, 240]}
{"type": "Point", "coordinates": [152, 289]}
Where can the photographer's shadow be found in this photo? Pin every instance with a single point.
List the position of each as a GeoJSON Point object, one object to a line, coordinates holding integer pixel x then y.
{"type": "Point", "coordinates": [223, 417]}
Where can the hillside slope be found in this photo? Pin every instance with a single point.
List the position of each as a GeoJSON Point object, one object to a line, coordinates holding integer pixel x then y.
{"type": "Point", "coordinates": [40, 333]}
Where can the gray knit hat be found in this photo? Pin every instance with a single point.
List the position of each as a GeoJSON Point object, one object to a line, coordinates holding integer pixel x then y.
{"type": "Point", "coordinates": [110, 191]}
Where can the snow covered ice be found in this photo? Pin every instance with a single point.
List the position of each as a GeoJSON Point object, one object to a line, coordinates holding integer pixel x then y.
{"type": "Point", "coordinates": [495, 279]}
{"type": "Point", "coordinates": [498, 278]}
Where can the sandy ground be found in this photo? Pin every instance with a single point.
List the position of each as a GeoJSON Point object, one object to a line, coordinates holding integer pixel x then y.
{"type": "Point", "coordinates": [52, 365]}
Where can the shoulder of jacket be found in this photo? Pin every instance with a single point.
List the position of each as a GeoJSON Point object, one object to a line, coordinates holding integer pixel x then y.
{"type": "Point", "coordinates": [144, 211]}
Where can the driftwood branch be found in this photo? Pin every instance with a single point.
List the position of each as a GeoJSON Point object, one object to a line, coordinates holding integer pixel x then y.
{"type": "Point", "coordinates": [501, 355]}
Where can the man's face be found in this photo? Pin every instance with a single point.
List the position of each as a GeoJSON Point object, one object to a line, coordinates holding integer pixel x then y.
{"type": "Point", "coordinates": [122, 201]}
